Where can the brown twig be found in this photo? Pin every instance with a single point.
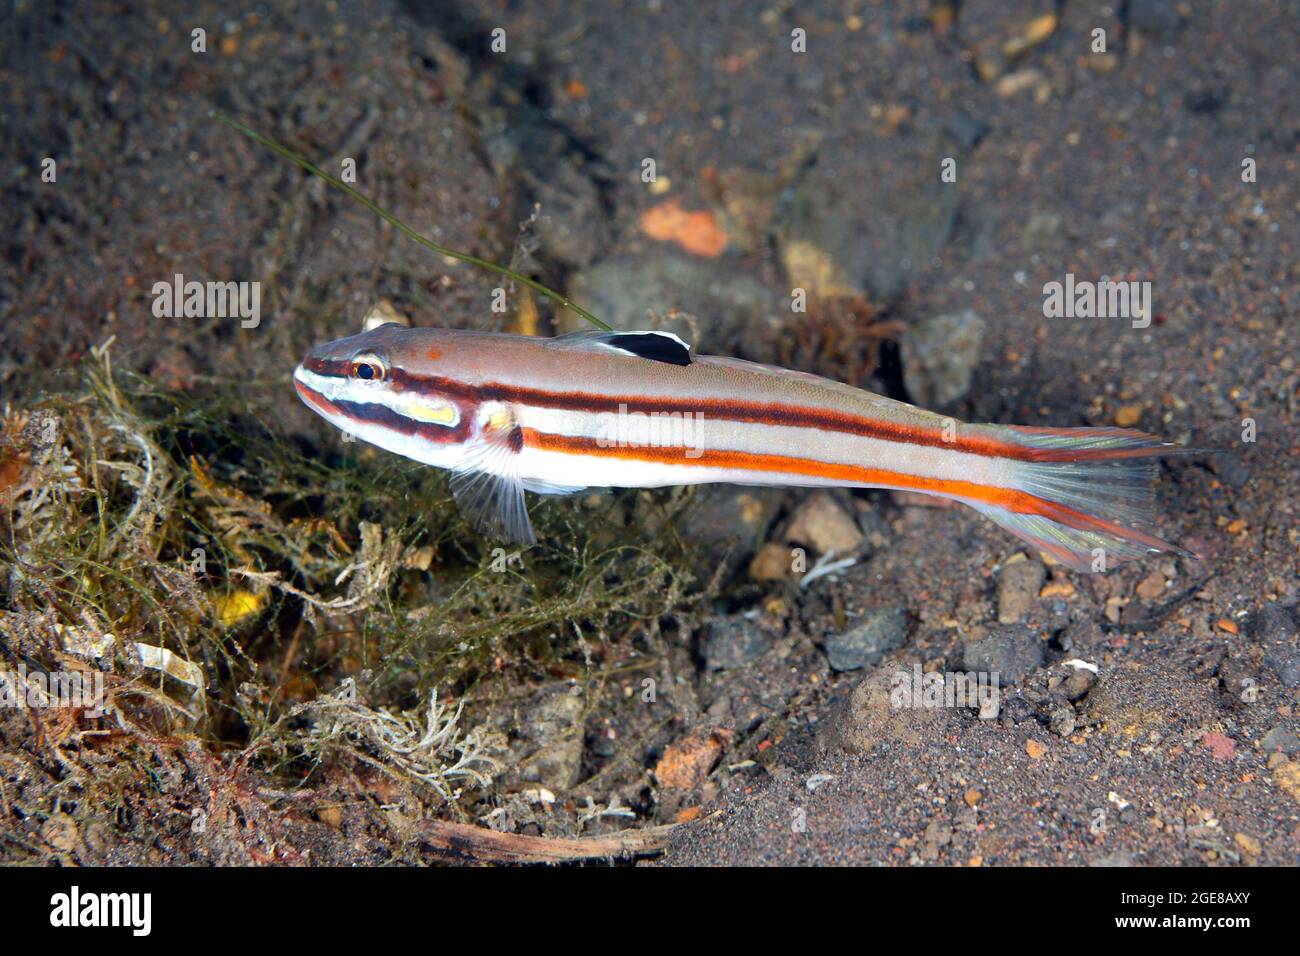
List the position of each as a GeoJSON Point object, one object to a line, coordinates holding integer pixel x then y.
{"type": "Point", "coordinates": [480, 844]}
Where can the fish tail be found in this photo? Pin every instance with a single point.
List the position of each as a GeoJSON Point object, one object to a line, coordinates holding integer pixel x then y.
{"type": "Point", "coordinates": [1083, 496]}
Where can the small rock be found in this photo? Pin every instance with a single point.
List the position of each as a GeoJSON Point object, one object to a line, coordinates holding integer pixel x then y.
{"type": "Point", "coordinates": [726, 524]}
{"type": "Point", "coordinates": [869, 641]}
{"type": "Point", "coordinates": [555, 727]}
{"type": "Point", "coordinates": [844, 235]}
{"type": "Point", "coordinates": [706, 306]}
{"type": "Point", "coordinates": [937, 836]}
{"type": "Point", "coordinates": [60, 831]}
{"type": "Point", "coordinates": [1126, 416]}
{"type": "Point", "coordinates": [1018, 585]}
{"type": "Point", "coordinates": [1285, 662]}
{"type": "Point", "coordinates": [972, 797]}
{"type": "Point", "coordinates": [939, 356]}
{"type": "Point", "coordinates": [772, 563]}
{"type": "Point", "coordinates": [689, 814]}
{"type": "Point", "coordinates": [821, 524]}
{"type": "Point", "coordinates": [1220, 745]}
{"type": "Point", "coordinates": [1287, 776]}
{"type": "Point", "coordinates": [732, 642]}
{"type": "Point", "coordinates": [1062, 721]}
{"type": "Point", "coordinates": [873, 716]}
{"type": "Point", "coordinates": [686, 762]}
{"type": "Point", "coordinates": [1157, 17]}
{"type": "Point", "coordinates": [914, 499]}
{"type": "Point", "coordinates": [383, 312]}
{"type": "Point", "coordinates": [1281, 739]}
{"type": "Point", "coordinates": [996, 33]}
{"type": "Point", "coordinates": [331, 816]}
{"type": "Point", "coordinates": [1151, 587]}
{"type": "Point", "coordinates": [967, 130]}
{"type": "Point", "coordinates": [1274, 623]}
{"type": "Point", "coordinates": [1249, 845]}
{"type": "Point", "coordinates": [1063, 588]}
{"type": "Point", "coordinates": [1035, 749]}
{"type": "Point", "coordinates": [1012, 650]}
{"type": "Point", "coordinates": [1080, 681]}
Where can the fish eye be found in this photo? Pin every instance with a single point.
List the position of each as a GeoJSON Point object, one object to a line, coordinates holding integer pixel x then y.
{"type": "Point", "coordinates": [368, 368]}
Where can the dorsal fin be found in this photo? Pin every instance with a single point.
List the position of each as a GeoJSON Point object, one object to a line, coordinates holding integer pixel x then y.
{"type": "Point", "coordinates": [656, 346]}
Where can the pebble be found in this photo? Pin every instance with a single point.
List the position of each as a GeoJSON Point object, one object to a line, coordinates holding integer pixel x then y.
{"type": "Point", "coordinates": [995, 33]}
{"type": "Point", "coordinates": [772, 563]}
{"type": "Point", "coordinates": [1062, 721]}
{"type": "Point", "coordinates": [732, 642]}
{"type": "Point", "coordinates": [1018, 586]}
{"type": "Point", "coordinates": [1248, 844]}
{"type": "Point", "coordinates": [1035, 749]}
{"type": "Point", "coordinates": [822, 524]}
{"type": "Point", "coordinates": [1281, 739]}
{"type": "Point", "coordinates": [1080, 681]}
{"type": "Point", "coordinates": [1274, 624]}
{"type": "Point", "coordinates": [1151, 587]}
{"type": "Point", "coordinates": [1221, 746]}
{"type": "Point", "coordinates": [686, 762]}
{"type": "Point", "coordinates": [939, 356]}
{"type": "Point", "coordinates": [847, 235]}
{"type": "Point", "coordinates": [1287, 776]}
{"type": "Point", "coordinates": [1157, 17]}
{"type": "Point", "coordinates": [726, 523]}
{"type": "Point", "coordinates": [692, 298]}
{"type": "Point", "coordinates": [60, 831]}
{"type": "Point", "coordinates": [867, 642]}
{"type": "Point", "coordinates": [1126, 416]}
{"type": "Point", "coordinates": [556, 728]}
{"type": "Point", "coordinates": [1285, 663]}
{"type": "Point", "coordinates": [1012, 650]}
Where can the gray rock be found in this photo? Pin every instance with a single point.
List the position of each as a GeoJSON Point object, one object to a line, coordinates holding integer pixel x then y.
{"type": "Point", "coordinates": [1018, 585]}
{"type": "Point", "coordinates": [707, 306]}
{"type": "Point", "coordinates": [1274, 623]}
{"type": "Point", "coordinates": [571, 224]}
{"type": "Point", "coordinates": [870, 718]}
{"type": "Point", "coordinates": [1062, 721]}
{"type": "Point", "coordinates": [1284, 661]}
{"type": "Point", "coordinates": [1281, 739]}
{"type": "Point", "coordinates": [844, 234]}
{"type": "Point", "coordinates": [1080, 681]}
{"type": "Point", "coordinates": [731, 642]}
{"type": "Point", "coordinates": [939, 356]}
{"type": "Point", "coordinates": [967, 130]}
{"type": "Point", "coordinates": [554, 728]}
{"type": "Point", "coordinates": [1157, 17]}
{"type": "Point", "coordinates": [869, 641]}
{"type": "Point", "coordinates": [723, 524]}
{"type": "Point", "coordinates": [1012, 650]}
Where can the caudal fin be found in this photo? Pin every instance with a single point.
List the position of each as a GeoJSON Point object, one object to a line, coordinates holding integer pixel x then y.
{"type": "Point", "coordinates": [1087, 493]}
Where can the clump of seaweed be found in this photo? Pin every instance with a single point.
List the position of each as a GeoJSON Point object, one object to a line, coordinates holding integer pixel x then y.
{"type": "Point", "coordinates": [429, 747]}
{"type": "Point", "coordinates": [280, 605]}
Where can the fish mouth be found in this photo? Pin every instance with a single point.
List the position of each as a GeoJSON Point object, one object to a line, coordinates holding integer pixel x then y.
{"type": "Point", "coordinates": [314, 399]}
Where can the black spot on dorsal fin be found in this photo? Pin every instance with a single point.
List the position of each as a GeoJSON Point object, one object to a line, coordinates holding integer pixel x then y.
{"type": "Point", "coordinates": [656, 346]}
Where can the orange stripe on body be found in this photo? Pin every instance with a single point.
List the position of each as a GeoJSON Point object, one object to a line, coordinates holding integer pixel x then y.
{"type": "Point", "coordinates": [1014, 500]}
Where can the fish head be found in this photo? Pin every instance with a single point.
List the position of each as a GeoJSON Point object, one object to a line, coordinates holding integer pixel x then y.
{"type": "Point", "coordinates": [382, 386]}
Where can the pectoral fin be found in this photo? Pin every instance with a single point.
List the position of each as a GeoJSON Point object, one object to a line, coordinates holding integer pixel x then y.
{"type": "Point", "coordinates": [486, 483]}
